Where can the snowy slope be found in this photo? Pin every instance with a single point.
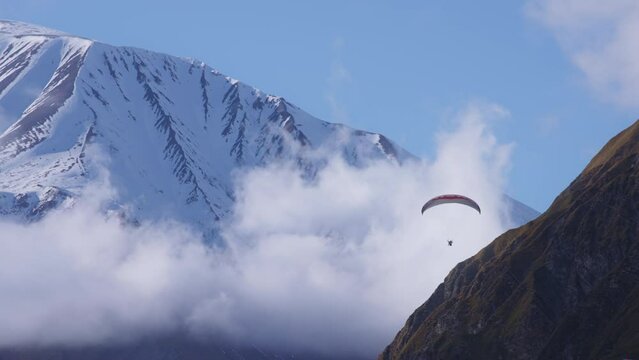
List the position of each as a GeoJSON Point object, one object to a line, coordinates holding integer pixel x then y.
{"type": "Point", "coordinates": [169, 131]}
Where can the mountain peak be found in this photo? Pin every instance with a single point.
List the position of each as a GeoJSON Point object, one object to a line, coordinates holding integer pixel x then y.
{"type": "Point", "coordinates": [17, 28]}
{"type": "Point", "coordinates": [623, 144]}
{"type": "Point", "coordinates": [173, 128]}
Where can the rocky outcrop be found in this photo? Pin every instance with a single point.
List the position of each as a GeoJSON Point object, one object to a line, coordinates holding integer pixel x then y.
{"type": "Point", "coordinates": [564, 286]}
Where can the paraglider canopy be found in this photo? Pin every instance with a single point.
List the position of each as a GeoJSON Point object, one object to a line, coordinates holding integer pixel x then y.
{"type": "Point", "coordinates": [450, 199]}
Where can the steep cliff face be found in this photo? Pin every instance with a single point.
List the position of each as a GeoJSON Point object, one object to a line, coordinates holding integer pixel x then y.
{"type": "Point", "coordinates": [564, 286]}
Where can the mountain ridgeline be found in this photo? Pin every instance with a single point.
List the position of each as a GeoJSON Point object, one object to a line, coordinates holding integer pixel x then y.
{"type": "Point", "coordinates": [564, 286]}
{"type": "Point", "coordinates": [169, 131]}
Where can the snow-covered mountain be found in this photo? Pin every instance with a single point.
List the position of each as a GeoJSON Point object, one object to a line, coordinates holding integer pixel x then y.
{"type": "Point", "coordinates": [170, 131]}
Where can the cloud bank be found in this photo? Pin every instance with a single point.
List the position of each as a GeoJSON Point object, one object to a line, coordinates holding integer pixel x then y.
{"type": "Point", "coordinates": [600, 38]}
{"type": "Point", "coordinates": [334, 264]}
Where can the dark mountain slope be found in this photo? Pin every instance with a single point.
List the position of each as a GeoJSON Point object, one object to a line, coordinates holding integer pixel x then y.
{"type": "Point", "coordinates": [564, 286]}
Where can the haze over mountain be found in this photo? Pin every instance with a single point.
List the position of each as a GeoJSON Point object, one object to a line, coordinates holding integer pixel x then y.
{"type": "Point", "coordinates": [564, 286]}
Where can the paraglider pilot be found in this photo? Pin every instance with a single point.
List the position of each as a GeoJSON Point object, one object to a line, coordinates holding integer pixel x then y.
{"type": "Point", "coordinates": [450, 199]}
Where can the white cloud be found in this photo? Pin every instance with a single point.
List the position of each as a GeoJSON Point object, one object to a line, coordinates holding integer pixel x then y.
{"type": "Point", "coordinates": [334, 264]}
{"type": "Point", "coordinates": [600, 38]}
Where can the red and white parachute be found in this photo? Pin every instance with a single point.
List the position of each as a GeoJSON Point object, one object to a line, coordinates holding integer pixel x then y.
{"type": "Point", "coordinates": [450, 199]}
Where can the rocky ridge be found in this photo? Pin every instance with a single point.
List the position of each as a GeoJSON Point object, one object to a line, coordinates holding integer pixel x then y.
{"type": "Point", "coordinates": [564, 286]}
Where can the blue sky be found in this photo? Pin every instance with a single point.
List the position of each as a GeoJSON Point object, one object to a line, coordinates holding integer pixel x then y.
{"type": "Point", "coordinates": [404, 68]}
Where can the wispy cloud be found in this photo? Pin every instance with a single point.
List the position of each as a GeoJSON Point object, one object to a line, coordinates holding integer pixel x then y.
{"type": "Point", "coordinates": [338, 80]}
{"type": "Point", "coordinates": [333, 264]}
{"type": "Point", "coordinates": [548, 125]}
{"type": "Point", "coordinates": [600, 38]}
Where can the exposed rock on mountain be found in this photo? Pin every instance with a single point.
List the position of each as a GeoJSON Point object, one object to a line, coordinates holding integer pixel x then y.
{"type": "Point", "coordinates": [564, 286]}
{"type": "Point", "coordinates": [168, 130]}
